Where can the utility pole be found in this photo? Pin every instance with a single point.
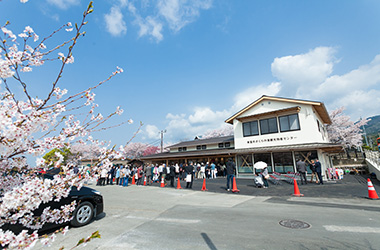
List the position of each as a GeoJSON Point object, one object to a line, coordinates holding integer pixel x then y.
{"type": "Point", "coordinates": [162, 139]}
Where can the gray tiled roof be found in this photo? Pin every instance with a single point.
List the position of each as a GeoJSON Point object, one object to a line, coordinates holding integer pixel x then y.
{"type": "Point", "coordinates": [199, 153]}
{"type": "Point", "coordinates": [215, 140]}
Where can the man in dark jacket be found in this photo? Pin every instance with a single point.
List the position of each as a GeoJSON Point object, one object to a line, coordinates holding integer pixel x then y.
{"type": "Point", "coordinates": [318, 169]}
{"type": "Point", "coordinates": [189, 169]}
{"type": "Point", "coordinates": [230, 170]}
{"type": "Point", "coordinates": [301, 168]}
{"type": "Point", "coordinates": [172, 175]}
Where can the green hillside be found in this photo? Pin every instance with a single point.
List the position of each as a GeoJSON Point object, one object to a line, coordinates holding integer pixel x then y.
{"type": "Point", "coordinates": [373, 126]}
{"type": "Point", "coordinates": [373, 129]}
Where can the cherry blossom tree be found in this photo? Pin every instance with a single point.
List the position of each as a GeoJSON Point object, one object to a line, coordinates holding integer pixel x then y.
{"type": "Point", "coordinates": [32, 126]}
{"type": "Point", "coordinates": [84, 151]}
{"type": "Point", "coordinates": [344, 131]}
{"type": "Point", "coordinates": [135, 150]}
{"type": "Point", "coordinates": [225, 131]}
{"type": "Point", "coordinates": [151, 150]}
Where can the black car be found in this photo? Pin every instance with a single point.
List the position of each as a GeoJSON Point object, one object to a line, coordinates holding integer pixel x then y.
{"type": "Point", "coordinates": [89, 205]}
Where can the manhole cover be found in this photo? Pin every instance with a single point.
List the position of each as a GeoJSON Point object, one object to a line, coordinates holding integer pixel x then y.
{"type": "Point", "coordinates": [294, 224]}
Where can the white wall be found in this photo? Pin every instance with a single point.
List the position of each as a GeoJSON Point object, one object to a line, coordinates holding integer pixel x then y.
{"type": "Point", "coordinates": [308, 132]}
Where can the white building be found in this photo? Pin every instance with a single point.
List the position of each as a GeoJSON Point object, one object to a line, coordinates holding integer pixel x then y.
{"type": "Point", "coordinates": [275, 130]}
{"type": "Point", "coordinates": [279, 131]}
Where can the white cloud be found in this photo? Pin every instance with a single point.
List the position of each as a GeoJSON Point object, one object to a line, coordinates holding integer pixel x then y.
{"type": "Point", "coordinates": [152, 131]}
{"type": "Point", "coordinates": [364, 77]}
{"type": "Point", "coordinates": [154, 16]}
{"type": "Point", "coordinates": [150, 27]}
{"type": "Point", "coordinates": [204, 115]}
{"type": "Point", "coordinates": [114, 22]}
{"type": "Point", "coordinates": [63, 4]}
{"type": "Point", "coordinates": [310, 76]}
{"type": "Point", "coordinates": [179, 13]}
{"type": "Point", "coordinates": [308, 69]}
{"type": "Point", "coordinates": [249, 95]}
{"type": "Point", "coordinates": [359, 103]}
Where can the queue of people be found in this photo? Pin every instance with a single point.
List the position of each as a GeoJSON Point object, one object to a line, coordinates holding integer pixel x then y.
{"type": "Point", "coordinates": [122, 175]}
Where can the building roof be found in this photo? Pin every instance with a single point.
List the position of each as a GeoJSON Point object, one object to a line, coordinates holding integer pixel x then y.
{"type": "Point", "coordinates": [328, 147]}
{"type": "Point", "coordinates": [209, 141]}
{"type": "Point", "coordinates": [192, 153]}
{"type": "Point", "coordinates": [318, 106]}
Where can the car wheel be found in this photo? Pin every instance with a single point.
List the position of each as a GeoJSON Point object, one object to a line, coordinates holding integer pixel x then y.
{"type": "Point", "coordinates": [83, 214]}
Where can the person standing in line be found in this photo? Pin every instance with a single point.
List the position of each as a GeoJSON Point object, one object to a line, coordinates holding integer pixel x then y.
{"type": "Point", "coordinates": [176, 170]}
{"type": "Point", "coordinates": [172, 175]}
{"type": "Point", "coordinates": [155, 174]}
{"type": "Point", "coordinates": [127, 175]}
{"type": "Point", "coordinates": [117, 175]}
{"type": "Point", "coordinates": [164, 173]}
{"type": "Point", "coordinates": [202, 171]}
{"type": "Point", "coordinates": [139, 175]}
{"type": "Point", "coordinates": [160, 170]}
{"type": "Point", "coordinates": [230, 170]}
{"type": "Point", "coordinates": [213, 170]}
{"type": "Point", "coordinates": [301, 168]}
{"type": "Point", "coordinates": [318, 169]}
{"type": "Point", "coordinates": [189, 170]}
{"type": "Point", "coordinates": [313, 173]}
{"type": "Point", "coordinates": [103, 176]}
{"type": "Point", "coordinates": [148, 174]}
{"type": "Point", "coordinates": [122, 175]}
{"type": "Point", "coordinates": [112, 175]}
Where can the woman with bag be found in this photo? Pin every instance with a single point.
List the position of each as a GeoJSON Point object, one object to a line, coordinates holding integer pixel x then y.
{"type": "Point", "coordinates": [265, 176]}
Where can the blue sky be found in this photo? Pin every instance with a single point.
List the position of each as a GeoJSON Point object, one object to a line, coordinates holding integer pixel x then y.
{"type": "Point", "coordinates": [189, 65]}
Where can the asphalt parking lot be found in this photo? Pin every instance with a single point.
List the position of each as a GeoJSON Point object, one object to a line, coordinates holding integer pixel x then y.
{"type": "Point", "coordinates": [332, 216]}
{"type": "Point", "coordinates": [351, 186]}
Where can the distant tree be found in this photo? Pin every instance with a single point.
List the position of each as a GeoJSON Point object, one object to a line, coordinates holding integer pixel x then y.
{"type": "Point", "coordinates": [225, 131]}
{"type": "Point", "coordinates": [344, 131]}
{"type": "Point", "coordinates": [151, 150]}
{"type": "Point", "coordinates": [85, 151]}
{"type": "Point", "coordinates": [135, 150]}
{"type": "Point", "coordinates": [56, 156]}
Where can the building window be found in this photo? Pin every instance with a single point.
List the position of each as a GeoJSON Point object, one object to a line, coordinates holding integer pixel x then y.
{"type": "Point", "coordinates": [204, 147]}
{"type": "Point", "coordinates": [283, 162]}
{"type": "Point", "coordinates": [227, 145]}
{"type": "Point", "coordinates": [268, 126]}
{"type": "Point", "coordinates": [250, 128]}
{"type": "Point", "coordinates": [201, 147]}
{"type": "Point", "coordinates": [265, 157]}
{"type": "Point", "coordinates": [244, 164]}
{"type": "Point", "coordinates": [289, 123]}
{"type": "Point", "coordinates": [221, 145]}
{"type": "Point", "coordinates": [182, 149]}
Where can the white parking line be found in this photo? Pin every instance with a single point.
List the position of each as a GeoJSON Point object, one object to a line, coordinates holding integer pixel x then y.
{"type": "Point", "coordinates": [178, 220]}
{"type": "Point", "coordinates": [182, 221]}
{"type": "Point", "coordinates": [333, 228]}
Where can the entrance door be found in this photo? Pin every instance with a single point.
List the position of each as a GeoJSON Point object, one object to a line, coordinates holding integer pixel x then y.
{"type": "Point", "coordinates": [244, 164]}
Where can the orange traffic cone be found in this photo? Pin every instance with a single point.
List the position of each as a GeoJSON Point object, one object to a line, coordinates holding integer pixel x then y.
{"type": "Point", "coordinates": [133, 180]}
{"type": "Point", "coordinates": [162, 182]}
{"type": "Point", "coordinates": [296, 190]}
{"type": "Point", "coordinates": [145, 181]}
{"type": "Point", "coordinates": [179, 184]}
{"type": "Point", "coordinates": [371, 191]}
{"type": "Point", "coordinates": [234, 187]}
{"type": "Point", "coordinates": [204, 185]}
